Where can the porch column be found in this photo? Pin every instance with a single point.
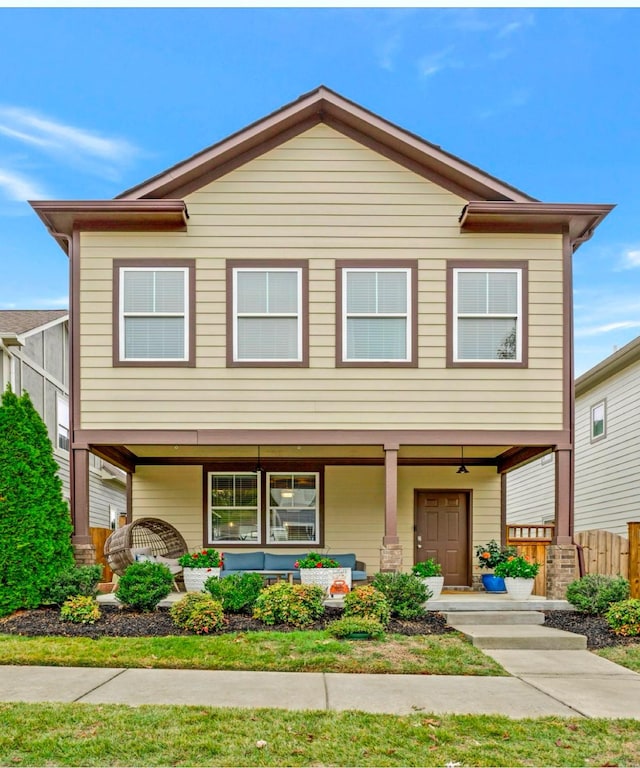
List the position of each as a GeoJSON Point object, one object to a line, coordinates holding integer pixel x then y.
{"type": "Point", "coordinates": [391, 551]}
{"type": "Point", "coordinates": [562, 552]}
{"type": "Point", "coordinates": [81, 538]}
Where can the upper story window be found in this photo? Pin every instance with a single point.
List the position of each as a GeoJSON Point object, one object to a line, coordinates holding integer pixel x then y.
{"type": "Point", "coordinates": [268, 313]}
{"type": "Point", "coordinates": [487, 318]}
{"type": "Point", "coordinates": [62, 421]}
{"type": "Point", "coordinates": [598, 420]}
{"type": "Point", "coordinates": [376, 313]}
{"type": "Point", "coordinates": [154, 312]}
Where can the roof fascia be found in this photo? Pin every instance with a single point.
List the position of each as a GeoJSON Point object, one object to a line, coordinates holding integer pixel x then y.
{"type": "Point", "coordinates": [324, 105]}
{"type": "Point", "coordinates": [12, 339]}
{"type": "Point", "coordinates": [62, 217]}
{"type": "Point", "coordinates": [46, 326]}
{"type": "Point", "coordinates": [611, 365]}
{"type": "Point", "coordinates": [579, 219]}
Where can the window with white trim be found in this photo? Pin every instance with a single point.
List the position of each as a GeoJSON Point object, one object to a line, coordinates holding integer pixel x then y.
{"type": "Point", "coordinates": [487, 313]}
{"type": "Point", "coordinates": [267, 314]}
{"type": "Point", "coordinates": [154, 314]}
{"type": "Point", "coordinates": [62, 423]}
{"type": "Point", "coordinates": [598, 420]}
{"type": "Point", "coordinates": [376, 315]}
{"type": "Point", "coordinates": [234, 507]}
{"type": "Point", "coordinates": [293, 513]}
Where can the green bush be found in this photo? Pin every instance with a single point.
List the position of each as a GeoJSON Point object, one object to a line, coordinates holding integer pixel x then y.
{"type": "Point", "coordinates": [624, 617]}
{"type": "Point", "coordinates": [81, 609]}
{"type": "Point", "coordinates": [367, 602]}
{"type": "Point", "coordinates": [77, 580]}
{"type": "Point", "coordinates": [296, 604]}
{"type": "Point", "coordinates": [349, 625]}
{"type": "Point", "coordinates": [143, 585]}
{"type": "Point", "coordinates": [237, 592]}
{"type": "Point", "coordinates": [198, 612]}
{"type": "Point", "coordinates": [594, 593]}
{"type": "Point", "coordinates": [405, 594]}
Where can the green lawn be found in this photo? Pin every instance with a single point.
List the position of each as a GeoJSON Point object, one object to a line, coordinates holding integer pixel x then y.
{"type": "Point", "coordinates": [303, 651]}
{"type": "Point", "coordinates": [625, 655]}
{"type": "Point", "coordinates": [116, 735]}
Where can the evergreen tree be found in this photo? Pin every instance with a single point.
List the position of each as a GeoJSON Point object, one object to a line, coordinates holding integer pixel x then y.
{"type": "Point", "coordinates": [35, 526]}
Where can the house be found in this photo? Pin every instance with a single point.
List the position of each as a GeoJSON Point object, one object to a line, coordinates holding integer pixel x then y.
{"type": "Point", "coordinates": [34, 357]}
{"type": "Point", "coordinates": [291, 341]}
{"type": "Point", "coordinates": [607, 462]}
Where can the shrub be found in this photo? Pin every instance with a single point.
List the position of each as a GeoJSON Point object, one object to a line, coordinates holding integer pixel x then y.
{"type": "Point", "coordinates": [367, 602]}
{"type": "Point", "coordinates": [315, 560]}
{"type": "Point", "coordinates": [350, 625]}
{"type": "Point", "coordinates": [237, 592]}
{"type": "Point", "coordinates": [624, 617]}
{"type": "Point", "coordinates": [405, 594]}
{"type": "Point", "coordinates": [594, 593]}
{"type": "Point", "coordinates": [491, 554]}
{"type": "Point", "coordinates": [296, 604]}
{"type": "Point", "coordinates": [517, 567]}
{"type": "Point", "coordinates": [81, 609]}
{"type": "Point", "coordinates": [143, 585]}
{"type": "Point", "coordinates": [426, 569]}
{"type": "Point", "coordinates": [77, 580]}
{"type": "Point", "coordinates": [198, 612]}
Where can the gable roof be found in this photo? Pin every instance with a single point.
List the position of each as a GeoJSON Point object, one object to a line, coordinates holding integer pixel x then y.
{"type": "Point", "coordinates": [323, 105]}
{"type": "Point", "coordinates": [620, 359]}
{"type": "Point", "coordinates": [24, 320]}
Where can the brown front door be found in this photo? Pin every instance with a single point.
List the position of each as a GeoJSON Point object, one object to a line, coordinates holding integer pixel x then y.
{"type": "Point", "coordinates": [442, 533]}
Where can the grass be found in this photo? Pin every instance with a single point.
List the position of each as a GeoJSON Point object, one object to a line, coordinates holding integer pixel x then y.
{"type": "Point", "coordinates": [303, 651]}
{"type": "Point", "coordinates": [625, 655]}
{"type": "Point", "coordinates": [116, 735]}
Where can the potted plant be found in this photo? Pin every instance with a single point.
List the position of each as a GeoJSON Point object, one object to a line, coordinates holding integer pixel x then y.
{"type": "Point", "coordinates": [430, 572]}
{"type": "Point", "coordinates": [322, 570]}
{"type": "Point", "coordinates": [519, 574]}
{"type": "Point", "coordinates": [200, 566]}
{"type": "Point", "coordinates": [489, 556]}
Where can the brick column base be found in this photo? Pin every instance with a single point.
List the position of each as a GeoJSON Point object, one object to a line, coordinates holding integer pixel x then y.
{"type": "Point", "coordinates": [561, 569]}
{"type": "Point", "coordinates": [84, 554]}
{"type": "Point", "coordinates": [391, 558]}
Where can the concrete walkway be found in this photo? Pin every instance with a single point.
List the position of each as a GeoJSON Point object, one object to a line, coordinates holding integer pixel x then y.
{"type": "Point", "coordinates": [557, 683]}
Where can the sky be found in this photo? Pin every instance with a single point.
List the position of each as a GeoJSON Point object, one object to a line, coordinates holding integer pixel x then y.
{"type": "Point", "coordinates": [95, 100]}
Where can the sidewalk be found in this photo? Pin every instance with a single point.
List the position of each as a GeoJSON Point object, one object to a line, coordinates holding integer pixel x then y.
{"type": "Point", "coordinates": [557, 683]}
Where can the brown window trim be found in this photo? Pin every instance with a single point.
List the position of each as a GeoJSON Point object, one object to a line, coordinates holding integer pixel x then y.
{"type": "Point", "coordinates": [267, 466]}
{"type": "Point", "coordinates": [373, 264]}
{"type": "Point", "coordinates": [190, 265]}
{"type": "Point", "coordinates": [266, 264]}
{"type": "Point", "coordinates": [523, 266]}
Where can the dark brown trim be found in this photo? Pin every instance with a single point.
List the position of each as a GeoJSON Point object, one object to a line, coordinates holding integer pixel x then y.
{"type": "Point", "coordinates": [568, 385]}
{"type": "Point", "coordinates": [332, 461]}
{"type": "Point", "coordinates": [390, 536]}
{"type": "Point", "coordinates": [503, 509]}
{"type": "Point", "coordinates": [266, 264]}
{"type": "Point", "coordinates": [372, 265]}
{"type": "Point", "coordinates": [129, 497]}
{"type": "Point", "coordinates": [523, 266]}
{"type": "Point", "coordinates": [118, 456]}
{"type": "Point", "coordinates": [190, 266]}
{"type": "Point", "coordinates": [518, 456]}
{"type": "Point", "coordinates": [80, 496]}
{"type": "Point", "coordinates": [279, 465]}
{"type": "Point", "coordinates": [564, 497]}
{"type": "Point", "coordinates": [467, 437]}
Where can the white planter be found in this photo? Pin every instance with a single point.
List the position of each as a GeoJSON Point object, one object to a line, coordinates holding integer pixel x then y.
{"type": "Point", "coordinates": [435, 584]}
{"type": "Point", "coordinates": [519, 589]}
{"type": "Point", "coordinates": [324, 577]}
{"type": "Point", "coordinates": [194, 578]}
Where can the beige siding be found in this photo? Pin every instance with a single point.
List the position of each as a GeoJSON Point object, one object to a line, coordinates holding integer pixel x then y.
{"type": "Point", "coordinates": [322, 197]}
{"type": "Point", "coordinates": [353, 505]}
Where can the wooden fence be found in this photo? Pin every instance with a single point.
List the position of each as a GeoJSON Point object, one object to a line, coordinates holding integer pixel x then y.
{"type": "Point", "coordinates": [604, 552]}
{"type": "Point", "coordinates": [98, 538]}
{"type": "Point", "coordinates": [532, 541]}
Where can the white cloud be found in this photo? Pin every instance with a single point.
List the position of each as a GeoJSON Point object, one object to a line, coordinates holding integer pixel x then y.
{"type": "Point", "coordinates": [598, 330]}
{"type": "Point", "coordinates": [57, 302]}
{"type": "Point", "coordinates": [16, 186]}
{"type": "Point", "coordinates": [388, 51]}
{"type": "Point", "coordinates": [631, 259]}
{"type": "Point", "coordinates": [435, 62]}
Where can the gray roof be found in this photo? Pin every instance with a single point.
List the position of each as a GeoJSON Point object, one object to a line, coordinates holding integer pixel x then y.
{"type": "Point", "coordinates": [24, 320]}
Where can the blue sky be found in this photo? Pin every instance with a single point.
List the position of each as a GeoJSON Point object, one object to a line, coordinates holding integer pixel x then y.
{"type": "Point", "coordinates": [95, 100]}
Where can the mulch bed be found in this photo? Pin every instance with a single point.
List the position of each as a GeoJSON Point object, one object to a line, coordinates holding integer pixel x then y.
{"type": "Point", "coordinates": [119, 622]}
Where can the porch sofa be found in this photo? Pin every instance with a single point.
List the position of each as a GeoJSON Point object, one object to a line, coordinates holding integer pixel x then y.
{"type": "Point", "coordinates": [239, 562]}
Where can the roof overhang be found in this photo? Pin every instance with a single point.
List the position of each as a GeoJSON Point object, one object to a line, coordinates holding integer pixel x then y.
{"type": "Point", "coordinates": [578, 220]}
{"type": "Point", "coordinates": [12, 339]}
{"type": "Point", "coordinates": [611, 365]}
{"type": "Point", "coordinates": [63, 217]}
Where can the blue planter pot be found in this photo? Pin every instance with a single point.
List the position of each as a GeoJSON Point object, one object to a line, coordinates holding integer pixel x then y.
{"type": "Point", "coordinates": [493, 583]}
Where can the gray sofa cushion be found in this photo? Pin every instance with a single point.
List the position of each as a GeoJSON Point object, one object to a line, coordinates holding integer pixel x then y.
{"type": "Point", "coordinates": [243, 561]}
{"type": "Point", "coordinates": [284, 562]}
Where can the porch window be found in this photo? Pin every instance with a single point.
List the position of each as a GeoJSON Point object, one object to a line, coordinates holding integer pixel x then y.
{"type": "Point", "coordinates": [234, 507]}
{"type": "Point", "coordinates": [293, 507]}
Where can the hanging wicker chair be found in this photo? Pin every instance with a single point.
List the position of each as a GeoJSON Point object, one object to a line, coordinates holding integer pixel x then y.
{"type": "Point", "coordinates": [147, 532]}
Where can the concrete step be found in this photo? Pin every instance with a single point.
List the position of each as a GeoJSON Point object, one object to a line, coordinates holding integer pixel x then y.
{"type": "Point", "coordinates": [487, 602]}
{"type": "Point", "coordinates": [528, 637]}
{"type": "Point", "coordinates": [501, 618]}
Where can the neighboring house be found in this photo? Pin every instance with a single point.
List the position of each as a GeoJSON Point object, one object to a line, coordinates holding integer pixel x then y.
{"type": "Point", "coordinates": [34, 357]}
{"type": "Point", "coordinates": [607, 459]}
{"type": "Point", "coordinates": [289, 340]}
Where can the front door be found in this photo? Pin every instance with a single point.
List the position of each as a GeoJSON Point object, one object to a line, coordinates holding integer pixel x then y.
{"type": "Point", "coordinates": [442, 533]}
